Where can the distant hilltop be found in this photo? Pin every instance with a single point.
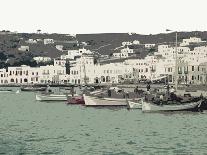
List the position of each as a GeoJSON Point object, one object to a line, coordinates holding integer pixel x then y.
{"type": "Point", "coordinates": [19, 48]}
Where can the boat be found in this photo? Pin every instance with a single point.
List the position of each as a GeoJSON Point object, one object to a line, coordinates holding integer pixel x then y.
{"type": "Point", "coordinates": [5, 91]}
{"type": "Point", "coordinates": [148, 106]}
{"type": "Point", "coordinates": [76, 100]}
{"type": "Point", "coordinates": [29, 88]}
{"type": "Point", "coordinates": [103, 101]}
{"type": "Point", "coordinates": [135, 103]}
{"type": "Point", "coordinates": [51, 97]}
{"type": "Point", "coordinates": [112, 96]}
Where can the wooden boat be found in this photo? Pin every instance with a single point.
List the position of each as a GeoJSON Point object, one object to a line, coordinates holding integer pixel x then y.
{"type": "Point", "coordinates": [51, 97]}
{"type": "Point", "coordinates": [113, 96]}
{"type": "Point", "coordinates": [29, 88]}
{"type": "Point", "coordinates": [151, 107]}
{"type": "Point", "coordinates": [103, 101]}
{"type": "Point", "coordinates": [135, 103]}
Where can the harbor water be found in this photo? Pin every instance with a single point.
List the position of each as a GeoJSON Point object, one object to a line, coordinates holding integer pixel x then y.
{"type": "Point", "coordinates": [30, 127]}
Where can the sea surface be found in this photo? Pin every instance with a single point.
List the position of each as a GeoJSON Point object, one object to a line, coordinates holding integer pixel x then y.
{"type": "Point", "coordinates": [32, 128]}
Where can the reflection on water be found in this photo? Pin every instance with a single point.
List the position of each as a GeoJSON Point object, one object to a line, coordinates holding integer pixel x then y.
{"type": "Point", "coordinates": [30, 127]}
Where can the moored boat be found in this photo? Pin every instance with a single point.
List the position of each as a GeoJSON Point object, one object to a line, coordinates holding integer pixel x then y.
{"type": "Point", "coordinates": [151, 107]}
{"type": "Point", "coordinates": [29, 88]}
{"type": "Point", "coordinates": [51, 97]}
{"type": "Point", "coordinates": [5, 91]}
{"type": "Point", "coordinates": [103, 101]}
{"type": "Point", "coordinates": [135, 103]}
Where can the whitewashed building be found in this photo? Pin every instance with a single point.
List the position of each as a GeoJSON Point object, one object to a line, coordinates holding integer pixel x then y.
{"type": "Point", "coordinates": [59, 47]}
{"type": "Point", "coordinates": [31, 41]}
{"type": "Point", "coordinates": [126, 43]}
{"type": "Point", "coordinates": [32, 75]}
{"type": "Point", "coordinates": [149, 45]}
{"type": "Point", "coordinates": [23, 48]}
{"type": "Point", "coordinates": [42, 59]}
{"type": "Point", "coordinates": [48, 41]}
{"type": "Point", "coordinates": [187, 42]}
{"type": "Point", "coordinates": [136, 42]}
{"type": "Point", "coordinates": [74, 53]}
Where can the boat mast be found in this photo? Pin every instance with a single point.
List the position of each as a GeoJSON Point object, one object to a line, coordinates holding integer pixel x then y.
{"type": "Point", "coordinates": [176, 61]}
{"type": "Point", "coordinates": [84, 71]}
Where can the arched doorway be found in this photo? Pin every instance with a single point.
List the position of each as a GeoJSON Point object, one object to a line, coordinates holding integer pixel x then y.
{"type": "Point", "coordinates": [103, 79]}
{"type": "Point", "coordinates": [107, 78]}
{"type": "Point", "coordinates": [96, 80]}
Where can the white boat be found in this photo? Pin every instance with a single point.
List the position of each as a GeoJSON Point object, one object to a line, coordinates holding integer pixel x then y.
{"type": "Point", "coordinates": [51, 97]}
{"type": "Point", "coordinates": [103, 101]}
{"type": "Point", "coordinates": [5, 91]}
{"type": "Point", "coordinates": [135, 104]}
{"type": "Point", "coordinates": [151, 107]}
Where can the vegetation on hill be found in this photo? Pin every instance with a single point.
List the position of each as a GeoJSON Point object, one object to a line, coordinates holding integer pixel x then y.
{"type": "Point", "coordinates": [100, 43]}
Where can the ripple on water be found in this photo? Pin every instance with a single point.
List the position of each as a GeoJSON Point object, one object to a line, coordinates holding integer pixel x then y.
{"type": "Point", "coordinates": [119, 153]}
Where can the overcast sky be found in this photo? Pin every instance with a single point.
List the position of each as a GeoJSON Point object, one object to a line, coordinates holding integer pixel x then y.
{"type": "Point", "coordinates": [103, 16]}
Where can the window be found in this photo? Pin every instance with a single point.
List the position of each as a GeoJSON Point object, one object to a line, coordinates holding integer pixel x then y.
{"type": "Point", "coordinates": [192, 68]}
{"type": "Point", "coordinates": [192, 78]}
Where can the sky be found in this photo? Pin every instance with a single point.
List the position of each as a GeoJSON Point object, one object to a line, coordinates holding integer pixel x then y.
{"type": "Point", "coordinates": [103, 16]}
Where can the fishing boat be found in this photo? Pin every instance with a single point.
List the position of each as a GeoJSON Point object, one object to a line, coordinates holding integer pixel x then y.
{"type": "Point", "coordinates": [135, 103]}
{"type": "Point", "coordinates": [148, 106]}
{"type": "Point", "coordinates": [31, 88]}
{"type": "Point", "coordinates": [103, 101]}
{"type": "Point", "coordinates": [110, 97]}
{"type": "Point", "coordinates": [51, 97]}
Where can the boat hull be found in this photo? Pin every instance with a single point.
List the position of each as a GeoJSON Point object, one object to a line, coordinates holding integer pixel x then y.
{"type": "Point", "coordinates": [135, 104]}
{"type": "Point", "coordinates": [5, 91]}
{"type": "Point", "coordinates": [76, 100]}
{"type": "Point", "coordinates": [33, 89]}
{"type": "Point", "coordinates": [96, 101]}
{"type": "Point", "coordinates": [51, 97]}
{"type": "Point", "coordinates": [150, 107]}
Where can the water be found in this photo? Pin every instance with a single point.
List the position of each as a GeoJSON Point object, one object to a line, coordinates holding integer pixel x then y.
{"type": "Point", "coordinates": [30, 127]}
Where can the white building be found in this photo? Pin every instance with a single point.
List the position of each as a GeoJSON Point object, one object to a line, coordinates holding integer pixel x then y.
{"type": "Point", "coordinates": [42, 59]}
{"type": "Point", "coordinates": [124, 53]}
{"type": "Point", "coordinates": [23, 48]}
{"type": "Point", "coordinates": [59, 47]}
{"type": "Point", "coordinates": [167, 51]}
{"type": "Point", "coordinates": [186, 42]}
{"type": "Point", "coordinates": [136, 42]}
{"type": "Point", "coordinates": [32, 75]}
{"type": "Point", "coordinates": [31, 41]}
{"type": "Point", "coordinates": [48, 41]}
{"type": "Point", "coordinates": [149, 45]}
{"type": "Point", "coordinates": [127, 50]}
{"type": "Point", "coordinates": [126, 43]}
{"type": "Point", "coordinates": [74, 53]}
{"type": "Point", "coordinates": [59, 62]}
{"type": "Point", "coordinates": [121, 55]}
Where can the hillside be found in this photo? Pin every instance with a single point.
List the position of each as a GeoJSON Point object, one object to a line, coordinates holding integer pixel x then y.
{"type": "Point", "coordinates": [102, 43]}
